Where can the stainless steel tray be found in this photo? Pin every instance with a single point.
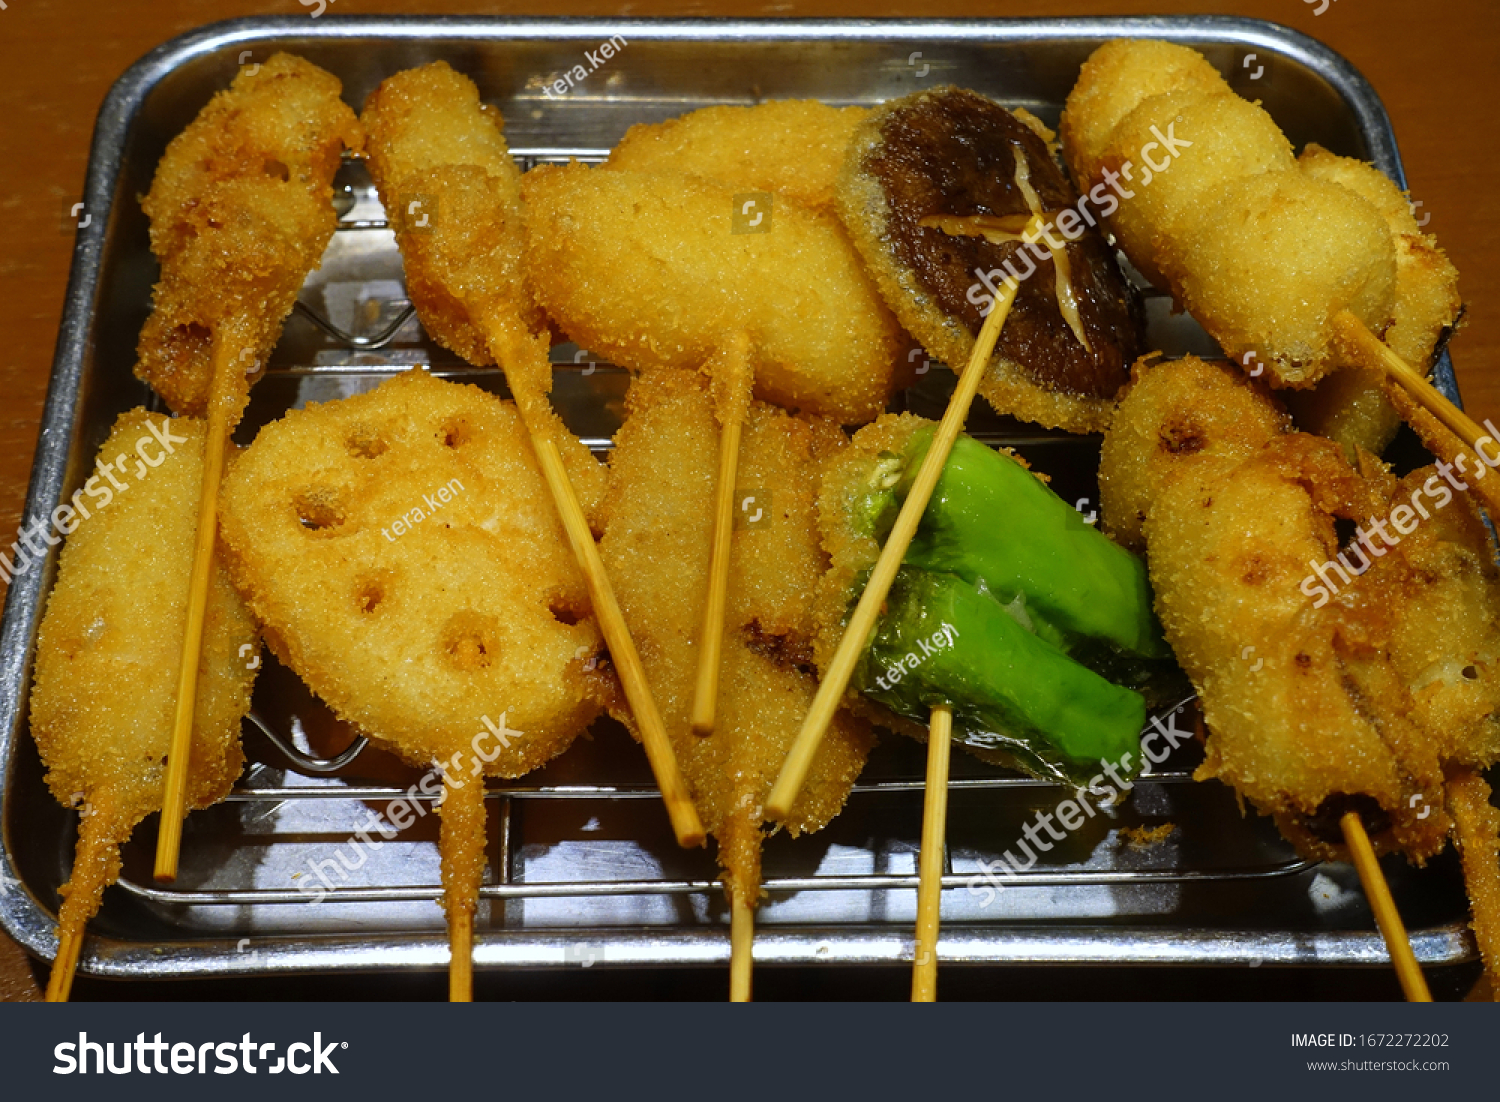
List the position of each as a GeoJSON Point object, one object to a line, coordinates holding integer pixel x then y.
{"type": "Point", "coordinates": [584, 871]}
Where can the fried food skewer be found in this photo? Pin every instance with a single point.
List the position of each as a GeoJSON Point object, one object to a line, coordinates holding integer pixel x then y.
{"type": "Point", "coordinates": [657, 543]}
{"type": "Point", "coordinates": [241, 209]}
{"type": "Point", "coordinates": [431, 140]}
{"type": "Point", "coordinates": [1364, 695]}
{"type": "Point", "coordinates": [1294, 262]}
{"type": "Point", "coordinates": [937, 190]}
{"type": "Point", "coordinates": [733, 382]}
{"type": "Point", "coordinates": [930, 869]}
{"type": "Point", "coordinates": [102, 705]}
{"type": "Point", "coordinates": [487, 667]}
{"type": "Point", "coordinates": [1378, 892]}
{"type": "Point", "coordinates": [836, 677]}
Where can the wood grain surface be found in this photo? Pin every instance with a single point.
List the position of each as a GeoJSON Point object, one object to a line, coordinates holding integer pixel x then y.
{"type": "Point", "coordinates": [1431, 62]}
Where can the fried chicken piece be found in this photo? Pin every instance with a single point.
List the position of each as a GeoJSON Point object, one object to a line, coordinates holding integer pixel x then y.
{"type": "Point", "coordinates": [241, 209]}
{"type": "Point", "coordinates": [658, 530]}
{"type": "Point", "coordinates": [1331, 678]}
{"type": "Point", "coordinates": [652, 271]}
{"type": "Point", "coordinates": [104, 700]}
{"type": "Point", "coordinates": [792, 147]}
{"type": "Point", "coordinates": [1261, 252]}
{"type": "Point", "coordinates": [402, 551]}
{"type": "Point", "coordinates": [952, 152]}
{"type": "Point", "coordinates": [453, 194]}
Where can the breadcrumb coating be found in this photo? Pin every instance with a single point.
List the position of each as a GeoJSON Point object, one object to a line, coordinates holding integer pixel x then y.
{"type": "Point", "coordinates": [241, 209]}
{"type": "Point", "coordinates": [656, 545]}
{"type": "Point", "coordinates": [648, 270]}
{"type": "Point", "coordinates": [792, 147]}
{"type": "Point", "coordinates": [104, 700]}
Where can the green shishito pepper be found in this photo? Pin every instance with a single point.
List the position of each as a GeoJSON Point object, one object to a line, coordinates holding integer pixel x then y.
{"type": "Point", "coordinates": [992, 520]}
{"type": "Point", "coordinates": [943, 640]}
{"type": "Point", "coordinates": [1043, 621]}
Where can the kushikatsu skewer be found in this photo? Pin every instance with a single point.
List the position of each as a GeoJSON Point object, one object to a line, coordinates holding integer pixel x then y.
{"type": "Point", "coordinates": [241, 210]}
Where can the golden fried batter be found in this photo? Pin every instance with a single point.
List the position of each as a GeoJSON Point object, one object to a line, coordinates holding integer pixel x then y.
{"type": "Point", "coordinates": [1349, 405]}
{"type": "Point", "coordinates": [1195, 413]}
{"type": "Point", "coordinates": [241, 210]}
{"type": "Point", "coordinates": [453, 194]}
{"type": "Point", "coordinates": [792, 147]}
{"type": "Point", "coordinates": [648, 270]}
{"type": "Point", "coordinates": [656, 545]}
{"type": "Point", "coordinates": [104, 701]}
{"type": "Point", "coordinates": [403, 552]}
{"type": "Point", "coordinates": [1262, 253]}
{"type": "Point", "coordinates": [1353, 689]}
{"type": "Point", "coordinates": [1116, 79]}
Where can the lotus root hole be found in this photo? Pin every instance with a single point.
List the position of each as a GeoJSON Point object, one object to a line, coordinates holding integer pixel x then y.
{"type": "Point", "coordinates": [370, 593]}
{"type": "Point", "coordinates": [565, 613]}
{"type": "Point", "coordinates": [318, 510]}
{"type": "Point", "coordinates": [470, 641]}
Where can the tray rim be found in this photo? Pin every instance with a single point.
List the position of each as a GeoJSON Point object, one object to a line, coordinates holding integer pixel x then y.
{"type": "Point", "coordinates": [34, 928]}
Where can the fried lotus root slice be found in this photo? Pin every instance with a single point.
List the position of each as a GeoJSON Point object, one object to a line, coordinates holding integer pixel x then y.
{"type": "Point", "coordinates": [402, 550]}
{"type": "Point", "coordinates": [453, 194]}
{"type": "Point", "coordinates": [104, 699]}
{"type": "Point", "coordinates": [953, 152]}
{"type": "Point", "coordinates": [241, 209]}
{"type": "Point", "coordinates": [655, 271]}
{"type": "Point", "coordinates": [792, 147]}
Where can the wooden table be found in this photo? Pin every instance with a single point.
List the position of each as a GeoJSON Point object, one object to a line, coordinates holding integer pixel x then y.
{"type": "Point", "coordinates": [1431, 62]}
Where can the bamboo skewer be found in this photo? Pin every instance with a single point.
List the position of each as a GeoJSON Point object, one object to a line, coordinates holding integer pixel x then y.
{"type": "Point", "coordinates": [733, 406]}
{"type": "Point", "coordinates": [1378, 892]}
{"type": "Point", "coordinates": [522, 375]}
{"type": "Point", "coordinates": [930, 868]}
{"type": "Point", "coordinates": [836, 679]}
{"type": "Point", "coordinates": [221, 411]}
{"type": "Point", "coordinates": [461, 958]}
{"type": "Point", "coordinates": [1373, 353]}
{"type": "Point", "coordinates": [741, 945]}
{"type": "Point", "coordinates": [100, 833]}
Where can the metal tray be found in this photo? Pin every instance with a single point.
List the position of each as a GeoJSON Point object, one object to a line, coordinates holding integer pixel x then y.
{"type": "Point", "coordinates": [584, 870]}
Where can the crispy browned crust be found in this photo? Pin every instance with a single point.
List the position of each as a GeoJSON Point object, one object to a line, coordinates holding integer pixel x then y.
{"type": "Point", "coordinates": [648, 270]}
{"type": "Point", "coordinates": [453, 194]}
{"type": "Point", "coordinates": [1315, 702]}
{"type": "Point", "coordinates": [103, 703]}
{"type": "Point", "coordinates": [415, 631]}
{"type": "Point", "coordinates": [656, 547]}
{"type": "Point", "coordinates": [241, 209]}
